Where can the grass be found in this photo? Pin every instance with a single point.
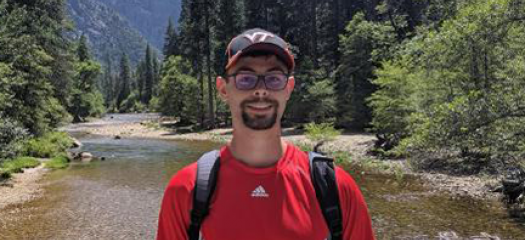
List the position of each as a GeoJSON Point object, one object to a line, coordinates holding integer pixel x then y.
{"type": "Point", "coordinates": [16, 165]}
{"type": "Point", "coordinates": [321, 132]}
{"type": "Point", "coordinates": [49, 145]}
{"type": "Point", "coordinates": [153, 125]}
{"type": "Point", "coordinates": [58, 162]}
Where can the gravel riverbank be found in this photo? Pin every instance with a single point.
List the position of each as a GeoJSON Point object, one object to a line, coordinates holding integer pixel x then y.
{"type": "Point", "coordinates": [21, 187]}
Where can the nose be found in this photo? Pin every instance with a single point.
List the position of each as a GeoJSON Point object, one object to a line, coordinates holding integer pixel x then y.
{"type": "Point", "coordinates": [260, 89]}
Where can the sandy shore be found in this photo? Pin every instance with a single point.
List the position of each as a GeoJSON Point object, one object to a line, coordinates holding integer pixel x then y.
{"type": "Point", "coordinates": [354, 144]}
{"type": "Point", "coordinates": [21, 187]}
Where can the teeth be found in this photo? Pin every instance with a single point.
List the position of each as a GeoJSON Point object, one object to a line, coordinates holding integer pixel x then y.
{"type": "Point", "coordinates": [260, 106]}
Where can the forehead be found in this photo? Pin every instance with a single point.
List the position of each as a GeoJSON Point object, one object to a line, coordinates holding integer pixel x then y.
{"type": "Point", "coordinates": [259, 64]}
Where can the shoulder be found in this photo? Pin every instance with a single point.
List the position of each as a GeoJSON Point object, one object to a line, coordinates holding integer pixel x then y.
{"type": "Point", "coordinates": [350, 194]}
{"type": "Point", "coordinates": [345, 180]}
{"type": "Point", "coordinates": [183, 181]}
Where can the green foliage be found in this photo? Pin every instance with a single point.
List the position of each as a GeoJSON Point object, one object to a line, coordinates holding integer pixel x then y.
{"type": "Point", "coordinates": [321, 100]}
{"type": "Point", "coordinates": [363, 46]}
{"type": "Point", "coordinates": [321, 132]}
{"type": "Point", "coordinates": [27, 47]}
{"type": "Point", "coordinates": [6, 94]}
{"type": "Point", "coordinates": [87, 101]}
{"type": "Point", "coordinates": [132, 104]}
{"type": "Point", "coordinates": [49, 145]}
{"type": "Point", "coordinates": [57, 162]}
{"type": "Point", "coordinates": [459, 92]}
{"type": "Point", "coordinates": [392, 103]}
{"type": "Point", "coordinates": [16, 165]}
{"type": "Point", "coordinates": [11, 138]}
{"type": "Point", "coordinates": [124, 81]}
{"type": "Point", "coordinates": [178, 91]}
{"type": "Point", "coordinates": [154, 104]}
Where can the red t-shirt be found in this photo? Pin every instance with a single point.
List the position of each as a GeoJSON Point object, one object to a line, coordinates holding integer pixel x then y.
{"type": "Point", "coordinates": [277, 202]}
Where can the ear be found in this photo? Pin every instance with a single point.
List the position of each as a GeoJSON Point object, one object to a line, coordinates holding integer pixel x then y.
{"type": "Point", "coordinates": [290, 86]}
{"type": "Point", "coordinates": [220, 83]}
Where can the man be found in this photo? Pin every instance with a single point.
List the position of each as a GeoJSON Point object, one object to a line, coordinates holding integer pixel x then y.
{"type": "Point", "coordinates": [264, 189]}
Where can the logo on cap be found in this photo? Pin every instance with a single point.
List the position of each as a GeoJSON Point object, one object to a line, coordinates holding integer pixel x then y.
{"type": "Point", "coordinates": [257, 37]}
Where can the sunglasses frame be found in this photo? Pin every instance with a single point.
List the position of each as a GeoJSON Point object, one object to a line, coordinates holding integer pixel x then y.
{"type": "Point", "coordinates": [259, 77]}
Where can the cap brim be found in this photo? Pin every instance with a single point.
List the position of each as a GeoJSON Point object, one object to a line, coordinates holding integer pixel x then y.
{"type": "Point", "coordinates": [269, 47]}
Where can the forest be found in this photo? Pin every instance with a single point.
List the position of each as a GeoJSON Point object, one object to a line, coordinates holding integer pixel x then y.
{"type": "Point", "coordinates": [440, 82]}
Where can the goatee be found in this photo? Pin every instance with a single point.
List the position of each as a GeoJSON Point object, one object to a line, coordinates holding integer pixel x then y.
{"type": "Point", "coordinates": [259, 121]}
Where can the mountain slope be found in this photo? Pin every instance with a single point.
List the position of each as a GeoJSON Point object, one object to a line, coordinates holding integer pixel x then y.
{"type": "Point", "coordinates": [149, 17]}
{"type": "Point", "coordinates": [107, 31]}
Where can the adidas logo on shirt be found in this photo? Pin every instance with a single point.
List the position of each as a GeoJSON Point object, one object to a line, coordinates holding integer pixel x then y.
{"type": "Point", "coordinates": [259, 192]}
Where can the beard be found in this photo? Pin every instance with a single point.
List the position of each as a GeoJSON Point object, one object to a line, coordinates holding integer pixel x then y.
{"type": "Point", "coordinates": [259, 121]}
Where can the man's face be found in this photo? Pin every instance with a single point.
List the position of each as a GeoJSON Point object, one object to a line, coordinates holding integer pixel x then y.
{"type": "Point", "coordinates": [259, 108]}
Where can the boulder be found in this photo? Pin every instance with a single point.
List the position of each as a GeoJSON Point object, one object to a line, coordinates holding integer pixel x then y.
{"type": "Point", "coordinates": [84, 155]}
{"type": "Point", "coordinates": [71, 156]}
{"type": "Point", "coordinates": [76, 143]}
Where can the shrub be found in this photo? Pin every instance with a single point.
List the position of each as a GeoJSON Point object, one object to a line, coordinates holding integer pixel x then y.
{"type": "Point", "coordinates": [11, 138]}
{"type": "Point", "coordinates": [16, 165]}
{"type": "Point", "coordinates": [58, 162]}
{"type": "Point", "coordinates": [321, 132]}
{"type": "Point", "coordinates": [49, 145]}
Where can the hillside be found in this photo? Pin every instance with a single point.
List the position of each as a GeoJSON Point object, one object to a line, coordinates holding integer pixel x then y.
{"type": "Point", "coordinates": [149, 17]}
{"type": "Point", "coordinates": [106, 30]}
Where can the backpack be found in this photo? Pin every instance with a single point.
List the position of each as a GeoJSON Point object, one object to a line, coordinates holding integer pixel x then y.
{"type": "Point", "coordinates": [322, 172]}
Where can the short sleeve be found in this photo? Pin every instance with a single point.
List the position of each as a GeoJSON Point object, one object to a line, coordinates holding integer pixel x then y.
{"type": "Point", "coordinates": [356, 219]}
{"type": "Point", "coordinates": [174, 217]}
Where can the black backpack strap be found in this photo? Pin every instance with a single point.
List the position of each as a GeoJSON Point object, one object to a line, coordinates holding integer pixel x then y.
{"type": "Point", "coordinates": [207, 172]}
{"type": "Point", "coordinates": [322, 172]}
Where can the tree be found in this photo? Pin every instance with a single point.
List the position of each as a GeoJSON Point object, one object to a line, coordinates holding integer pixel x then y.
{"type": "Point", "coordinates": [177, 91]}
{"type": "Point", "coordinates": [171, 38]}
{"type": "Point", "coordinates": [33, 104]}
{"type": "Point", "coordinates": [466, 83]}
{"type": "Point", "coordinates": [108, 85]}
{"type": "Point", "coordinates": [124, 80]}
{"type": "Point", "coordinates": [87, 101]}
{"type": "Point", "coordinates": [363, 46]}
{"type": "Point", "coordinates": [148, 75]}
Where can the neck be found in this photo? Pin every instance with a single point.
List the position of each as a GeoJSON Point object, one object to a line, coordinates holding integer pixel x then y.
{"type": "Point", "coordinates": [257, 148]}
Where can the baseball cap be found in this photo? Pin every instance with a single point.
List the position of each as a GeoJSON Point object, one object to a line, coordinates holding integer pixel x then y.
{"type": "Point", "coordinates": [257, 39]}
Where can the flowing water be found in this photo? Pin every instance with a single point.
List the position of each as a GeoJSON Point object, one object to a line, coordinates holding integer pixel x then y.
{"type": "Point", "coordinates": [119, 198]}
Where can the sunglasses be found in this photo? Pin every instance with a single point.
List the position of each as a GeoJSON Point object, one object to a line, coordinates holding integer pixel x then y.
{"type": "Point", "coordinates": [250, 80]}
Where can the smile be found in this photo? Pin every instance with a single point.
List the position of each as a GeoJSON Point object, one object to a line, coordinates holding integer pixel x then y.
{"type": "Point", "coordinates": [260, 107]}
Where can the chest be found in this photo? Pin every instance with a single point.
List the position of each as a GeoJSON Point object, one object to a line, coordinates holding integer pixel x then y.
{"type": "Point", "coordinates": [280, 205]}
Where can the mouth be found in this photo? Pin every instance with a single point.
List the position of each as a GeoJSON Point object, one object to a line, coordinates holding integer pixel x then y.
{"type": "Point", "coordinates": [259, 107]}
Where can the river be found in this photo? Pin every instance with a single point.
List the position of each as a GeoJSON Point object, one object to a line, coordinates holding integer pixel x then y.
{"type": "Point", "coordinates": [119, 198]}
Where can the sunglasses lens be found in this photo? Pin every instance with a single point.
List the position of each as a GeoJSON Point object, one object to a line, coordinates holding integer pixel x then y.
{"type": "Point", "coordinates": [246, 81]}
{"type": "Point", "coordinates": [275, 81]}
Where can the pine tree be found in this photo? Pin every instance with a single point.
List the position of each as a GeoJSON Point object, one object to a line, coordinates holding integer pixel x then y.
{"type": "Point", "coordinates": [148, 75]}
{"type": "Point", "coordinates": [156, 74]}
{"type": "Point", "coordinates": [22, 47]}
{"type": "Point", "coordinates": [124, 80]}
{"type": "Point", "coordinates": [171, 47]}
{"type": "Point", "coordinates": [141, 80]}
{"type": "Point", "coordinates": [82, 49]}
{"type": "Point", "coordinates": [177, 91]}
{"type": "Point", "coordinates": [108, 87]}
{"type": "Point", "coordinates": [363, 46]}
{"type": "Point", "coordinates": [86, 99]}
